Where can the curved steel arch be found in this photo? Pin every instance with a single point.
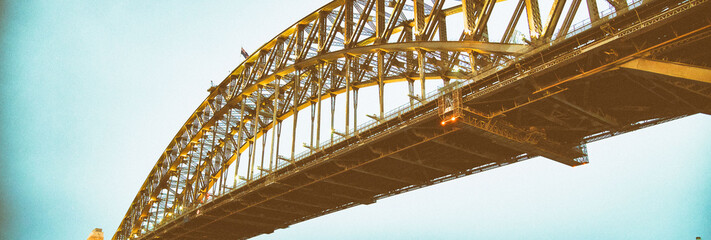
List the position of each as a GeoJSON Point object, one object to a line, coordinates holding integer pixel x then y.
{"type": "Point", "coordinates": [342, 46]}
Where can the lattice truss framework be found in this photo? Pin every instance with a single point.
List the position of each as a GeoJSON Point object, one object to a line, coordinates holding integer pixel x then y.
{"type": "Point", "coordinates": [341, 47]}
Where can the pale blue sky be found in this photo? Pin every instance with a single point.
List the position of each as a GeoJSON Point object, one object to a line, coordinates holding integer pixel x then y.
{"type": "Point", "coordinates": [93, 91]}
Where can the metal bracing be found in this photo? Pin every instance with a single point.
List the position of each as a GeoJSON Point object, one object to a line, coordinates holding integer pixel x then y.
{"type": "Point", "coordinates": [597, 116]}
{"type": "Point", "coordinates": [671, 69]}
{"type": "Point", "coordinates": [534, 19]}
{"type": "Point", "coordinates": [511, 27]}
{"type": "Point", "coordinates": [553, 18]}
{"type": "Point", "coordinates": [569, 18]}
{"type": "Point", "coordinates": [351, 44]}
{"type": "Point", "coordinates": [593, 12]}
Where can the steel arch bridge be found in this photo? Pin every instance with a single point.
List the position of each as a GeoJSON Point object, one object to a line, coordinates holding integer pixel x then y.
{"type": "Point", "coordinates": [230, 174]}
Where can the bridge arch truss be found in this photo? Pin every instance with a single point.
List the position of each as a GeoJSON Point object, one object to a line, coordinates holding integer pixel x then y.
{"type": "Point", "coordinates": [333, 52]}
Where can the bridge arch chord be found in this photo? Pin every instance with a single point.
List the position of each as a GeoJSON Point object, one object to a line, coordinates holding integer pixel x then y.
{"type": "Point", "coordinates": [339, 48]}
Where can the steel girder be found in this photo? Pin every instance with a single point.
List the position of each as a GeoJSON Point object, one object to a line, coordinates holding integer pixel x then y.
{"type": "Point", "coordinates": [339, 48]}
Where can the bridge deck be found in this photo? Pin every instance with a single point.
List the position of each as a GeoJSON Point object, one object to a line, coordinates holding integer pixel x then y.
{"type": "Point", "coordinates": [582, 94]}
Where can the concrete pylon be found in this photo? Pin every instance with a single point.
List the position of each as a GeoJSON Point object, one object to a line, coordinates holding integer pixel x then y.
{"type": "Point", "coordinates": [96, 234]}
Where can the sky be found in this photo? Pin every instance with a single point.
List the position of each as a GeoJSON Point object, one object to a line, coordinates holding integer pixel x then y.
{"type": "Point", "coordinates": [91, 93]}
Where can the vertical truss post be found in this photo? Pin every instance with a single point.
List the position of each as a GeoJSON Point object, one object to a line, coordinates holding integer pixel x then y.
{"type": "Point", "coordinates": [264, 145]}
{"type": "Point", "coordinates": [239, 140]}
{"type": "Point", "coordinates": [380, 20]}
{"type": "Point", "coordinates": [592, 10]}
{"type": "Point", "coordinates": [380, 28]}
{"type": "Point", "coordinates": [294, 105]}
{"type": "Point", "coordinates": [419, 6]}
{"type": "Point", "coordinates": [469, 14]}
{"type": "Point", "coordinates": [275, 112]}
{"type": "Point", "coordinates": [409, 56]}
{"type": "Point", "coordinates": [444, 55]}
{"type": "Point", "coordinates": [534, 19]}
{"type": "Point", "coordinates": [186, 188]}
{"type": "Point", "coordinates": [196, 188]}
{"type": "Point", "coordinates": [177, 186]}
{"type": "Point", "coordinates": [313, 122]}
{"type": "Point", "coordinates": [322, 35]}
{"type": "Point", "coordinates": [299, 40]}
{"type": "Point", "coordinates": [165, 202]}
{"type": "Point", "coordinates": [278, 141]}
{"type": "Point", "coordinates": [223, 175]}
{"type": "Point", "coordinates": [421, 64]}
{"type": "Point", "coordinates": [211, 157]}
{"type": "Point", "coordinates": [320, 72]}
{"type": "Point", "coordinates": [348, 90]}
{"type": "Point", "coordinates": [257, 108]}
{"type": "Point", "coordinates": [355, 109]}
{"type": "Point", "coordinates": [472, 61]}
{"type": "Point", "coordinates": [333, 114]}
{"type": "Point", "coordinates": [348, 31]}
{"type": "Point", "coordinates": [155, 217]}
{"type": "Point", "coordinates": [411, 91]}
{"type": "Point", "coordinates": [251, 153]}
{"type": "Point", "coordinates": [471, 35]}
{"type": "Point", "coordinates": [409, 64]}
{"type": "Point", "coordinates": [381, 85]}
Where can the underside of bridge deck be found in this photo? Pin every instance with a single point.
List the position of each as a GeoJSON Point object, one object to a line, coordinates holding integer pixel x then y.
{"type": "Point", "coordinates": [640, 69]}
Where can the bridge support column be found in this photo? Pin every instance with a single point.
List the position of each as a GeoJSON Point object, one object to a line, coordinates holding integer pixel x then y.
{"type": "Point", "coordinates": [421, 66]}
{"type": "Point", "coordinates": [355, 110]}
{"type": "Point", "coordinates": [411, 91]}
{"type": "Point", "coordinates": [297, 81]}
{"type": "Point", "coordinates": [534, 19]}
{"type": "Point", "coordinates": [318, 108]}
{"type": "Point", "coordinates": [380, 32]}
{"type": "Point", "coordinates": [255, 122]}
{"type": "Point", "coordinates": [275, 112]}
{"type": "Point", "coordinates": [239, 141]}
{"type": "Point", "coordinates": [333, 114]}
{"type": "Point", "coordinates": [381, 86]}
{"type": "Point", "coordinates": [348, 92]}
{"type": "Point", "coordinates": [313, 121]}
{"type": "Point", "coordinates": [592, 10]}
